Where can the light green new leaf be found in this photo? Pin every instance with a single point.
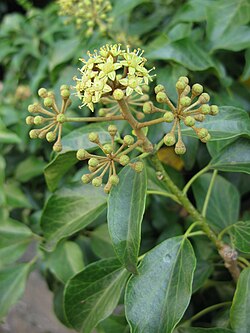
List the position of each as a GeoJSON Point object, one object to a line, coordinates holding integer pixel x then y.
{"type": "Point", "coordinates": [239, 314]}
{"type": "Point", "coordinates": [240, 235]}
{"type": "Point", "coordinates": [224, 203]}
{"type": "Point", "coordinates": [203, 330]}
{"type": "Point", "coordinates": [12, 285]}
{"type": "Point", "coordinates": [234, 157]}
{"type": "Point", "coordinates": [29, 168]}
{"type": "Point", "coordinates": [69, 210]}
{"type": "Point", "coordinates": [14, 240]}
{"type": "Point", "coordinates": [156, 298]}
{"type": "Point", "coordinates": [126, 207]}
{"type": "Point", "coordinates": [92, 295]}
{"type": "Point", "coordinates": [65, 261]}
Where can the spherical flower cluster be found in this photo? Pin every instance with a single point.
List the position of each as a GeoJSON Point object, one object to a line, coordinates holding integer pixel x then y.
{"type": "Point", "coordinates": [111, 71]}
{"type": "Point", "coordinates": [100, 165]}
{"type": "Point", "coordinates": [91, 13]}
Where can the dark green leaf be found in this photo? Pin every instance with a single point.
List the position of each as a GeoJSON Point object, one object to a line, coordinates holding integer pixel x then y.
{"type": "Point", "coordinates": [126, 207]}
{"type": "Point", "coordinates": [6, 136]}
{"type": "Point", "coordinates": [70, 210]}
{"type": "Point", "coordinates": [92, 295]}
{"type": "Point", "coordinates": [246, 72]}
{"type": "Point", "coordinates": [202, 272]}
{"type": "Point", "coordinates": [29, 168]}
{"type": "Point", "coordinates": [239, 316]}
{"type": "Point", "coordinates": [100, 242]}
{"type": "Point", "coordinates": [63, 50]}
{"type": "Point", "coordinates": [157, 298]}
{"type": "Point", "coordinates": [240, 235]}
{"type": "Point", "coordinates": [203, 330]}
{"type": "Point", "coordinates": [14, 196]}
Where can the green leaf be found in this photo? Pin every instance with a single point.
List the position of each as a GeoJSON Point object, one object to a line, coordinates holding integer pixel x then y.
{"type": "Point", "coordinates": [224, 203]}
{"type": "Point", "coordinates": [156, 299]}
{"type": "Point", "coordinates": [240, 235]}
{"type": "Point", "coordinates": [203, 330]}
{"type": "Point", "coordinates": [12, 285]}
{"type": "Point", "coordinates": [92, 295]}
{"type": "Point", "coordinates": [239, 316]}
{"type": "Point", "coordinates": [6, 136]}
{"type": "Point", "coordinates": [65, 261]}
{"type": "Point", "coordinates": [126, 207]}
{"type": "Point", "coordinates": [231, 122]}
{"type": "Point", "coordinates": [234, 157]}
{"type": "Point", "coordinates": [202, 272]}
{"type": "Point", "coordinates": [14, 240]}
{"type": "Point", "coordinates": [63, 51]}
{"type": "Point", "coordinates": [29, 168]}
{"type": "Point", "coordinates": [14, 195]}
{"type": "Point", "coordinates": [246, 72]}
{"type": "Point", "coordinates": [69, 210]}
{"type": "Point", "coordinates": [100, 242]}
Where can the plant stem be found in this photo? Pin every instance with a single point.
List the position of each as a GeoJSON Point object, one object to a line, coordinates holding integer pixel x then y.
{"type": "Point", "coordinates": [151, 122]}
{"type": "Point", "coordinates": [94, 119]}
{"type": "Point", "coordinates": [209, 191]}
{"type": "Point", "coordinates": [190, 182]}
{"type": "Point", "coordinates": [164, 194]}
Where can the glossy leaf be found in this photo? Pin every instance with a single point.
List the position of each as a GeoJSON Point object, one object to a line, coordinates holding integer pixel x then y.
{"type": "Point", "coordinates": [223, 206]}
{"type": "Point", "coordinates": [157, 298]}
{"type": "Point", "coordinates": [239, 316]}
{"type": "Point", "coordinates": [240, 235]}
{"type": "Point", "coordinates": [100, 242]}
{"type": "Point", "coordinates": [126, 207]}
{"type": "Point", "coordinates": [70, 210]}
{"type": "Point", "coordinates": [92, 294]}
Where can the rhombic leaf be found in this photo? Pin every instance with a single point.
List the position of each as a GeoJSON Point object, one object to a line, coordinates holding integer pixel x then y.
{"type": "Point", "coordinates": [126, 207]}
{"type": "Point", "coordinates": [92, 294]}
{"type": "Point", "coordinates": [158, 296]}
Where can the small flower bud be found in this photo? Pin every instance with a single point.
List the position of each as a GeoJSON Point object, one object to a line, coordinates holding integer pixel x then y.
{"type": "Point", "coordinates": [64, 86]}
{"type": "Point", "coordinates": [189, 121]}
{"type": "Point", "coordinates": [145, 88]}
{"type": "Point", "coordinates": [118, 94]}
{"type": "Point", "coordinates": [93, 137]}
{"type": "Point", "coordinates": [114, 180]}
{"type": "Point", "coordinates": [199, 117]}
{"type": "Point", "coordinates": [32, 108]}
{"type": "Point", "coordinates": [180, 148]}
{"type": "Point", "coordinates": [205, 109]}
{"type": "Point", "coordinates": [93, 162]}
{"type": "Point", "coordinates": [169, 139]}
{"type": "Point", "coordinates": [57, 147]}
{"type": "Point", "coordinates": [61, 118]}
{"type": "Point", "coordinates": [101, 112]}
{"type": "Point", "coordinates": [48, 102]}
{"type": "Point", "coordinates": [97, 181]}
{"type": "Point", "coordinates": [180, 85]}
{"type": "Point", "coordinates": [185, 101]}
{"type": "Point", "coordinates": [112, 129]}
{"type": "Point", "coordinates": [161, 97]}
{"type": "Point", "coordinates": [65, 93]}
{"type": "Point", "coordinates": [206, 139]}
{"type": "Point", "coordinates": [124, 160]}
{"type": "Point", "coordinates": [82, 154]}
{"type": "Point", "coordinates": [38, 120]}
{"type": "Point", "coordinates": [128, 140]}
{"type": "Point", "coordinates": [86, 178]}
{"type": "Point", "coordinates": [202, 132]}
{"type": "Point", "coordinates": [159, 88]}
{"type": "Point", "coordinates": [138, 166]}
{"type": "Point", "coordinates": [148, 107]}
{"type": "Point", "coordinates": [34, 134]}
{"type": "Point", "coordinates": [42, 92]}
{"type": "Point", "coordinates": [214, 110]}
{"type": "Point", "coordinates": [197, 89]}
{"type": "Point", "coordinates": [168, 116]}
{"type": "Point", "coordinates": [51, 136]}
{"type": "Point", "coordinates": [107, 187]}
{"type": "Point", "coordinates": [204, 98]}
{"type": "Point", "coordinates": [42, 134]}
{"type": "Point", "coordinates": [184, 79]}
{"type": "Point", "coordinates": [29, 120]}
{"type": "Point", "coordinates": [108, 149]}
{"type": "Point", "coordinates": [140, 115]}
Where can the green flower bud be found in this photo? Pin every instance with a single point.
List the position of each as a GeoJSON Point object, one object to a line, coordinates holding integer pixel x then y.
{"type": "Point", "coordinates": [204, 98]}
{"type": "Point", "coordinates": [214, 110]}
{"type": "Point", "coordinates": [118, 94]}
{"type": "Point", "coordinates": [206, 139]}
{"type": "Point", "coordinates": [34, 134]}
{"type": "Point", "coordinates": [140, 115]}
{"type": "Point", "coordinates": [128, 140]}
{"type": "Point", "coordinates": [168, 117]}
{"type": "Point", "coordinates": [107, 148]}
{"type": "Point", "coordinates": [138, 166]}
{"type": "Point", "coordinates": [145, 88]}
{"type": "Point", "coordinates": [61, 118]}
{"type": "Point", "coordinates": [42, 134]}
{"type": "Point", "coordinates": [184, 79]}
{"type": "Point", "coordinates": [202, 133]}
{"type": "Point", "coordinates": [38, 120]}
{"type": "Point", "coordinates": [159, 88]}
{"type": "Point", "coordinates": [32, 108]}
{"type": "Point", "coordinates": [97, 181]}
{"type": "Point", "coordinates": [42, 92]}
{"type": "Point", "coordinates": [161, 97]}
{"type": "Point", "coordinates": [93, 162]}
{"type": "Point", "coordinates": [82, 154]}
{"type": "Point", "coordinates": [189, 121]}
{"type": "Point", "coordinates": [29, 120]}
{"type": "Point", "coordinates": [101, 112]}
{"type": "Point", "coordinates": [92, 169]}
{"type": "Point", "coordinates": [197, 89]}
{"type": "Point", "coordinates": [112, 129]}
{"type": "Point", "coordinates": [86, 178]}
{"type": "Point", "coordinates": [114, 179]}
{"type": "Point", "coordinates": [205, 109]}
{"type": "Point", "coordinates": [57, 147]}
{"type": "Point", "coordinates": [65, 93]}
{"type": "Point", "coordinates": [180, 85]}
{"type": "Point", "coordinates": [199, 117]}
{"type": "Point", "coordinates": [185, 101]}
{"type": "Point", "coordinates": [148, 107]}
{"type": "Point", "coordinates": [180, 148]}
{"type": "Point", "coordinates": [124, 160]}
{"type": "Point", "coordinates": [51, 94]}
{"type": "Point", "coordinates": [107, 187]}
{"type": "Point", "coordinates": [93, 137]}
{"type": "Point", "coordinates": [169, 139]}
{"type": "Point", "coordinates": [51, 136]}
{"type": "Point", "coordinates": [48, 102]}
{"type": "Point", "coordinates": [64, 86]}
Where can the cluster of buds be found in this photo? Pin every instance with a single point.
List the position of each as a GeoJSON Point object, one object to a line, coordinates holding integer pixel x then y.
{"type": "Point", "coordinates": [192, 107]}
{"type": "Point", "coordinates": [111, 71]}
{"type": "Point", "coordinates": [22, 93]}
{"type": "Point", "coordinates": [52, 120]}
{"type": "Point", "coordinates": [100, 165]}
{"type": "Point", "coordinates": [91, 13]}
